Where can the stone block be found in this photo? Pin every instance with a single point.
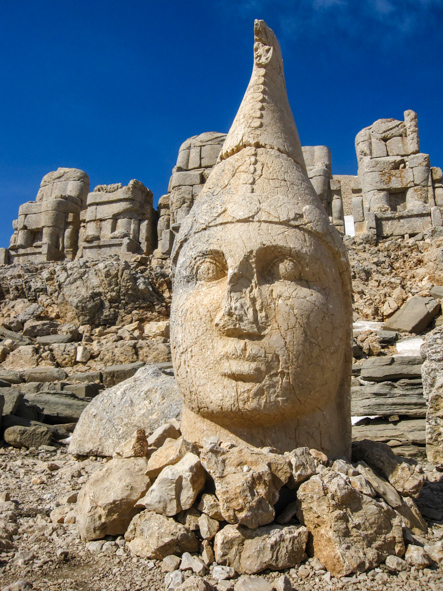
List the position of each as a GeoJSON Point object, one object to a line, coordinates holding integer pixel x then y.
{"type": "Point", "coordinates": [272, 547]}
{"type": "Point", "coordinates": [436, 217]}
{"type": "Point", "coordinates": [419, 160]}
{"type": "Point", "coordinates": [194, 158]}
{"type": "Point", "coordinates": [185, 178]}
{"type": "Point", "coordinates": [388, 180]}
{"type": "Point", "coordinates": [19, 436]}
{"type": "Point", "coordinates": [397, 146]}
{"type": "Point", "coordinates": [146, 401]}
{"type": "Point", "coordinates": [4, 256]}
{"type": "Point", "coordinates": [378, 148]}
{"type": "Point", "coordinates": [415, 315]}
{"type": "Point", "coordinates": [11, 398]}
{"type": "Point", "coordinates": [421, 175]}
{"type": "Point", "coordinates": [210, 154]}
{"type": "Point", "coordinates": [57, 408]}
{"type": "Point", "coordinates": [382, 369]}
{"type": "Point", "coordinates": [44, 374]}
{"type": "Point", "coordinates": [357, 209]}
{"type": "Point", "coordinates": [155, 536]}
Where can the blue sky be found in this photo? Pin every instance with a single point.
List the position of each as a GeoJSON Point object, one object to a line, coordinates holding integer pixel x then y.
{"type": "Point", "coordinates": [115, 87]}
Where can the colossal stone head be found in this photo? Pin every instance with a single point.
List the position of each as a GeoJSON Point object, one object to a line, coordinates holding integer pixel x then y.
{"type": "Point", "coordinates": [261, 310]}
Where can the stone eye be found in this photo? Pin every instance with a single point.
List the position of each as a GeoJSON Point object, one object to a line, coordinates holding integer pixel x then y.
{"type": "Point", "coordinates": [209, 270]}
{"type": "Point", "coordinates": [283, 269]}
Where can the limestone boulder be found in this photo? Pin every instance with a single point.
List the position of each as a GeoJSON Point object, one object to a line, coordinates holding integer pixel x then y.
{"type": "Point", "coordinates": [155, 536]}
{"type": "Point", "coordinates": [247, 482]}
{"type": "Point", "coordinates": [351, 532]}
{"type": "Point", "coordinates": [34, 436]}
{"type": "Point", "coordinates": [145, 401]}
{"type": "Point", "coordinates": [176, 487]}
{"type": "Point", "coordinates": [406, 477]}
{"type": "Point", "coordinates": [273, 547]}
{"type": "Point", "coordinates": [106, 503]}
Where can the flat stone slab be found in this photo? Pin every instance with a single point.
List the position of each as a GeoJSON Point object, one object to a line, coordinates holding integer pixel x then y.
{"type": "Point", "coordinates": [410, 431]}
{"type": "Point", "coordinates": [11, 377]}
{"type": "Point", "coordinates": [115, 374]}
{"type": "Point", "coordinates": [57, 408]}
{"type": "Point", "coordinates": [54, 339]}
{"type": "Point", "coordinates": [404, 397]}
{"type": "Point", "coordinates": [44, 374]}
{"type": "Point", "coordinates": [415, 315]}
{"type": "Point", "coordinates": [145, 401]}
{"type": "Point", "coordinates": [382, 369]}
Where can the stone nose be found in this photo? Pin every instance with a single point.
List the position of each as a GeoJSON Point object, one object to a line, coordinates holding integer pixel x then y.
{"type": "Point", "coordinates": [243, 311]}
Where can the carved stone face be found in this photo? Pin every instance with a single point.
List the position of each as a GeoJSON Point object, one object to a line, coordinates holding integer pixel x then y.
{"type": "Point", "coordinates": [258, 324]}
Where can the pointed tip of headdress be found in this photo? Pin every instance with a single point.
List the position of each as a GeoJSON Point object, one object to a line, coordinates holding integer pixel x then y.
{"type": "Point", "coordinates": [264, 118]}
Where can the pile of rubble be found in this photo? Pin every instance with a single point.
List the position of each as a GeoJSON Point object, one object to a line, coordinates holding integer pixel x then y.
{"type": "Point", "coordinates": [227, 516]}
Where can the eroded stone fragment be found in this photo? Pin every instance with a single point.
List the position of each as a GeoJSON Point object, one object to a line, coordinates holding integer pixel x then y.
{"type": "Point", "coordinates": [273, 547]}
{"type": "Point", "coordinates": [351, 531]}
{"type": "Point", "coordinates": [247, 482]}
{"type": "Point", "coordinates": [406, 477]}
{"type": "Point", "coordinates": [155, 536]}
{"type": "Point", "coordinates": [106, 503]}
{"type": "Point", "coordinates": [176, 487]}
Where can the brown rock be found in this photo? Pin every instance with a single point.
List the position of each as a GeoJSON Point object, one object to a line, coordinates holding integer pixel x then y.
{"type": "Point", "coordinates": [155, 536]}
{"type": "Point", "coordinates": [351, 531]}
{"type": "Point", "coordinates": [406, 477]}
{"type": "Point", "coordinates": [273, 547]}
{"type": "Point", "coordinates": [176, 487]}
{"type": "Point", "coordinates": [247, 482]}
{"type": "Point", "coordinates": [106, 503]}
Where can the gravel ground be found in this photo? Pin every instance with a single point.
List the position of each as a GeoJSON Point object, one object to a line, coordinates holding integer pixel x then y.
{"type": "Point", "coordinates": [48, 555]}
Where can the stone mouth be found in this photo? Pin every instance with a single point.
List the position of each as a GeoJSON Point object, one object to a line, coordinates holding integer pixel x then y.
{"type": "Point", "coordinates": [242, 370]}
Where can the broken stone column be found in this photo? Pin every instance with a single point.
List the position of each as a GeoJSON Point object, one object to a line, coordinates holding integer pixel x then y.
{"type": "Point", "coordinates": [47, 229]}
{"type": "Point", "coordinates": [261, 311]}
{"type": "Point", "coordinates": [118, 220]}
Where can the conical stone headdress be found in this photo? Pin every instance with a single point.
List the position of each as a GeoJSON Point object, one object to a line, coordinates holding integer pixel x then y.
{"type": "Point", "coordinates": [260, 174]}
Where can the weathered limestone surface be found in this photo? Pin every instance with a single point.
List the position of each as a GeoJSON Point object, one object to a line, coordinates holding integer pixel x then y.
{"type": "Point", "coordinates": [47, 228]}
{"type": "Point", "coordinates": [247, 482]}
{"type": "Point", "coordinates": [432, 373]}
{"type": "Point", "coordinates": [155, 536]}
{"type": "Point", "coordinates": [118, 220]}
{"type": "Point", "coordinates": [106, 503]}
{"type": "Point", "coordinates": [145, 401]}
{"type": "Point", "coordinates": [257, 235]}
{"type": "Point", "coordinates": [272, 547]}
{"type": "Point", "coordinates": [351, 531]}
